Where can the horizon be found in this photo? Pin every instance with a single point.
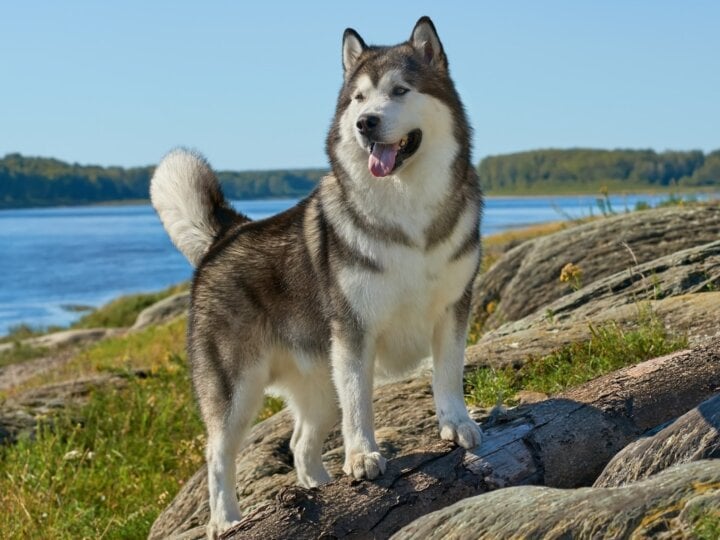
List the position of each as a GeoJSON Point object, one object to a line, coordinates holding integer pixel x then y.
{"type": "Point", "coordinates": [253, 87]}
{"type": "Point", "coordinates": [327, 166]}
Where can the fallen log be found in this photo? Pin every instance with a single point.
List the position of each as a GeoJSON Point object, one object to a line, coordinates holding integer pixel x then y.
{"type": "Point", "coordinates": [671, 504]}
{"type": "Point", "coordinates": [692, 437]}
{"type": "Point", "coordinates": [562, 442]}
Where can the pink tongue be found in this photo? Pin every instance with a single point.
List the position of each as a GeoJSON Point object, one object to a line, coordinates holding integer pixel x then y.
{"type": "Point", "coordinates": [382, 159]}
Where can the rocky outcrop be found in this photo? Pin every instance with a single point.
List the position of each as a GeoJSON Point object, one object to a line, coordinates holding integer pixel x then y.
{"type": "Point", "coordinates": [692, 437]}
{"type": "Point", "coordinates": [553, 442]}
{"type": "Point", "coordinates": [66, 338]}
{"type": "Point", "coordinates": [163, 311]}
{"type": "Point", "coordinates": [526, 278]}
{"type": "Point", "coordinates": [681, 289]}
{"type": "Point", "coordinates": [668, 505]}
{"type": "Point", "coordinates": [21, 414]}
{"type": "Point", "coordinates": [693, 315]}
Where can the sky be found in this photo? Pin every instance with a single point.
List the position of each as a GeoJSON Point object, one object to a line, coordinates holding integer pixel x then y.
{"type": "Point", "coordinates": [253, 85]}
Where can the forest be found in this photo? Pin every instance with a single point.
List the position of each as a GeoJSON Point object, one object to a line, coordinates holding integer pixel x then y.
{"type": "Point", "coordinates": [38, 181]}
{"type": "Point", "coordinates": [581, 170]}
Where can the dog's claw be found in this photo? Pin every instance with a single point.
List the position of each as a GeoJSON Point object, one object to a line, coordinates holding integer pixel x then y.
{"type": "Point", "coordinates": [465, 432]}
{"type": "Point", "coordinates": [360, 465]}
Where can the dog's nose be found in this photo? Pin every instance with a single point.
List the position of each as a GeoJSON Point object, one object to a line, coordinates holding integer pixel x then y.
{"type": "Point", "coordinates": [367, 123]}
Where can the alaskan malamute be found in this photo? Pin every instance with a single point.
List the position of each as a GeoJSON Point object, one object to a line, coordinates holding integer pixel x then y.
{"type": "Point", "coordinates": [370, 273]}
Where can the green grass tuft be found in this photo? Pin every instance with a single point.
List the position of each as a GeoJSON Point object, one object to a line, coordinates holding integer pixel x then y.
{"type": "Point", "coordinates": [20, 353]}
{"type": "Point", "coordinates": [123, 311]}
{"type": "Point", "coordinates": [608, 349]}
{"type": "Point", "coordinates": [706, 524]}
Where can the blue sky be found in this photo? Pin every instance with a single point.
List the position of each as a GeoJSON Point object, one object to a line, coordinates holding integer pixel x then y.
{"type": "Point", "coordinates": [253, 84]}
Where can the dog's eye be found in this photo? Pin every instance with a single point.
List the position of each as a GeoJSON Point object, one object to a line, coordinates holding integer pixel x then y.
{"type": "Point", "coordinates": [359, 97]}
{"type": "Point", "coordinates": [399, 91]}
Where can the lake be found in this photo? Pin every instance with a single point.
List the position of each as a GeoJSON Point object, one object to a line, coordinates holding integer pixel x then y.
{"type": "Point", "coordinates": [55, 258]}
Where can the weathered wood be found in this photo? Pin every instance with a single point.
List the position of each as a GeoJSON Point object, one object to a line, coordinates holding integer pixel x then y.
{"type": "Point", "coordinates": [561, 442]}
{"type": "Point", "coordinates": [668, 505]}
{"type": "Point", "coordinates": [692, 437]}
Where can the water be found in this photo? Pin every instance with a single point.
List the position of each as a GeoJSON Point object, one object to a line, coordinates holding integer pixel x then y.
{"type": "Point", "coordinates": [54, 258]}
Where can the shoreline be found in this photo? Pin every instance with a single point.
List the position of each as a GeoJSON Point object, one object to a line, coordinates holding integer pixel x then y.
{"type": "Point", "coordinates": [675, 191]}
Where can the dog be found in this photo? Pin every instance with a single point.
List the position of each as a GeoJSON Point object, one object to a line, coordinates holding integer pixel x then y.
{"type": "Point", "coordinates": [371, 273]}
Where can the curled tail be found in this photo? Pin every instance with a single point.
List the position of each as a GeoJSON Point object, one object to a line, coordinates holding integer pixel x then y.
{"type": "Point", "coordinates": [186, 195]}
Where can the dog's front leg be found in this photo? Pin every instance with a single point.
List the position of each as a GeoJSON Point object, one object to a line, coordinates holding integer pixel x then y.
{"type": "Point", "coordinates": [353, 364]}
{"type": "Point", "coordinates": [449, 336]}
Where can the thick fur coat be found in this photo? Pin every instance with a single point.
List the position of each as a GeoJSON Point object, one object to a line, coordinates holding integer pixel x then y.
{"type": "Point", "coordinates": [372, 272]}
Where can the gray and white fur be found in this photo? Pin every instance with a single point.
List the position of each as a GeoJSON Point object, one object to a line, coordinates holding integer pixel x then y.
{"type": "Point", "coordinates": [370, 273]}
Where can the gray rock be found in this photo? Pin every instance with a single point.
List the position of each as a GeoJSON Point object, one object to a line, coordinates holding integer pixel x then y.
{"type": "Point", "coordinates": [21, 414]}
{"type": "Point", "coordinates": [526, 278]}
{"type": "Point", "coordinates": [162, 311]}
{"type": "Point", "coordinates": [663, 506]}
{"type": "Point", "coordinates": [693, 315]}
{"type": "Point", "coordinates": [66, 338]}
{"type": "Point", "coordinates": [554, 442]}
{"type": "Point", "coordinates": [692, 437]}
{"type": "Point", "coordinates": [680, 288]}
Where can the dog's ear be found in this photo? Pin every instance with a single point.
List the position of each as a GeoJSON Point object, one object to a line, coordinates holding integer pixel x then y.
{"type": "Point", "coordinates": [425, 39]}
{"type": "Point", "coordinates": [352, 47]}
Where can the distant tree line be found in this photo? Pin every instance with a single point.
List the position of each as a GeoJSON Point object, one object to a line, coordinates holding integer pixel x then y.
{"type": "Point", "coordinates": [34, 181]}
{"type": "Point", "coordinates": [580, 169]}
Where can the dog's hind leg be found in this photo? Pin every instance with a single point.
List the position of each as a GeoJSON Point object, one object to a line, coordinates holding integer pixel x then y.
{"type": "Point", "coordinates": [227, 419]}
{"type": "Point", "coordinates": [313, 401]}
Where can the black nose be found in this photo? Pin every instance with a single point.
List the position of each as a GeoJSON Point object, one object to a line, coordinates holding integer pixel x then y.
{"type": "Point", "coordinates": [367, 123]}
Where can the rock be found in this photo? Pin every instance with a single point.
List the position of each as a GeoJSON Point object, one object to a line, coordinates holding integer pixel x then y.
{"type": "Point", "coordinates": [691, 315]}
{"type": "Point", "coordinates": [404, 416]}
{"type": "Point", "coordinates": [163, 311]}
{"type": "Point", "coordinates": [554, 442]}
{"type": "Point", "coordinates": [526, 278]}
{"type": "Point", "coordinates": [66, 338]}
{"type": "Point", "coordinates": [15, 374]}
{"type": "Point", "coordinates": [21, 414]}
{"type": "Point", "coordinates": [663, 506]}
{"type": "Point", "coordinates": [692, 437]}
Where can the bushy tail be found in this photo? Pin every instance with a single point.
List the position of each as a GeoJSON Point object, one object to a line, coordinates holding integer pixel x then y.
{"type": "Point", "coordinates": [186, 195]}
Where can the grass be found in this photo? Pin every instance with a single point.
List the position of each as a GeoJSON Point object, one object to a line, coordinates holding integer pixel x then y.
{"type": "Point", "coordinates": [608, 349]}
{"type": "Point", "coordinates": [123, 311]}
{"type": "Point", "coordinates": [706, 524]}
{"type": "Point", "coordinates": [20, 352]}
{"type": "Point", "coordinates": [106, 468]}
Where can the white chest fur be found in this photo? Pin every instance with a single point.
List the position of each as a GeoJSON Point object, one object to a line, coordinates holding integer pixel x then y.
{"type": "Point", "coordinates": [401, 304]}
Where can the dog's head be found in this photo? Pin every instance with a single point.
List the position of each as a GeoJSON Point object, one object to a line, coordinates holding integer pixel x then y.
{"type": "Point", "coordinates": [396, 103]}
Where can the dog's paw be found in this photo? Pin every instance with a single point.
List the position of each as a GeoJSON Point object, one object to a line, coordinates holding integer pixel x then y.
{"type": "Point", "coordinates": [308, 480]}
{"type": "Point", "coordinates": [361, 465]}
{"type": "Point", "coordinates": [463, 432]}
{"type": "Point", "coordinates": [215, 530]}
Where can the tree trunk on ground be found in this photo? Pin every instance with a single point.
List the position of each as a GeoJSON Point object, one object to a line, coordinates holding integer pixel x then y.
{"type": "Point", "coordinates": [562, 442]}
{"type": "Point", "coordinates": [692, 437]}
{"type": "Point", "coordinates": [672, 504]}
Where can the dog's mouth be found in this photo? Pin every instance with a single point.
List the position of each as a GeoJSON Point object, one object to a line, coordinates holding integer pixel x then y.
{"type": "Point", "coordinates": [387, 157]}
